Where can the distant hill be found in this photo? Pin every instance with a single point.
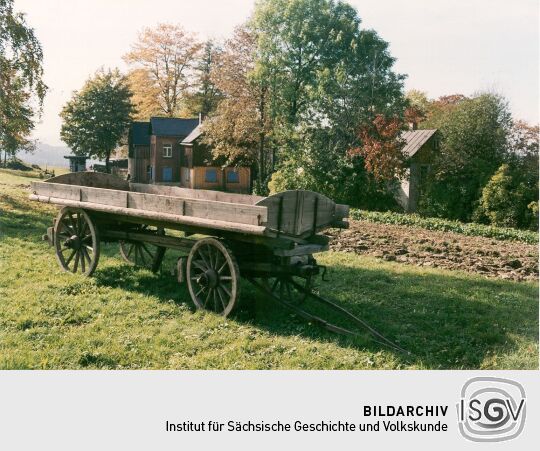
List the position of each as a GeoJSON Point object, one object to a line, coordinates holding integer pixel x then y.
{"type": "Point", "coordinates": [46, 155]}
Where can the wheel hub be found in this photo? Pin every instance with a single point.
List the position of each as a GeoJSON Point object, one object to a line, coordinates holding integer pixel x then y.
{"type": "Point", "coordinates": [73, 242]}
{"type": "Point", "coordinates": [209, 278]}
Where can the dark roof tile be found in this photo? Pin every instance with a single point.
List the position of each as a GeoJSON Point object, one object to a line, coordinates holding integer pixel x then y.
{"type": "Point", "coordinates": [140, 133]}
{"type": "Point", "coordinates": [170, 126]}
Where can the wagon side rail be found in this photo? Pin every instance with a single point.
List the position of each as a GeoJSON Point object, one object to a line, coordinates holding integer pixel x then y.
{"type": "Point", "coordinates": [206, 214]}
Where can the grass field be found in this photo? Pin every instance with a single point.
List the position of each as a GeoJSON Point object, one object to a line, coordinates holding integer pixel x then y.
{"type": "Point", "coordinates": [126, 318]}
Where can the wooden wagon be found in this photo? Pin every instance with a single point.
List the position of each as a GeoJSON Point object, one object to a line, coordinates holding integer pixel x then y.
{"type": "Point", "coordinates": [268, 240]}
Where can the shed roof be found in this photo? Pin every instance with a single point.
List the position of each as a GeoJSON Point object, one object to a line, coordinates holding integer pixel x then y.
{"type": "Point", "coordinates": [172, 126]}
{"type": "Point", "coordinates": [140, 133]}
{"type": "Point", "coordinates": [415, 139]}
{"type": "Point", "coordinates": [197, 131]}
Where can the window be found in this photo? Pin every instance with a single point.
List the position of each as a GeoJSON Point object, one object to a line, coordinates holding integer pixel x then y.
{"type": "Point", "coordinates": [167, 150]}
{"type": "Point", "coordinates": [232, 176]}
{"type": "Point", "coordinates": [210, 176]}
{"type": "Point", "coordinates": [149, 172]}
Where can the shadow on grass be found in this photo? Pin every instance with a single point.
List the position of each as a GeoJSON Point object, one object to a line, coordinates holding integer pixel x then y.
{"type": "Point", "coordinates": [18, 219]}
{"type": "Point", "coordinates": [445, 321]}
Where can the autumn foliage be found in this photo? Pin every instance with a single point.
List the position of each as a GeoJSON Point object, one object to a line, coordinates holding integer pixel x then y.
{"type": "Point", "coordinates": [381, 148]}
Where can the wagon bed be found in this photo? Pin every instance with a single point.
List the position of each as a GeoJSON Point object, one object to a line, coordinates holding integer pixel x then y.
{"type": "Point", "coordinates": [294, 215]}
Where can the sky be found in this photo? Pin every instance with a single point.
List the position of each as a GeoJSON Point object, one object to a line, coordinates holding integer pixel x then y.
{"type": "Point", "coordinates": [444, 46]}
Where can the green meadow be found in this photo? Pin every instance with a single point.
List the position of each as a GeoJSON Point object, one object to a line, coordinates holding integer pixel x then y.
{"type": "Point", "coordinates": [128, 318]}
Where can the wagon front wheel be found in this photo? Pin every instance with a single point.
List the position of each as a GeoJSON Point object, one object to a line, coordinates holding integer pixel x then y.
{"type": "Point", "coordinates": [144, 255]}
{"type": "Point", "coordinates": [213, 276]}
{"type": "Point", "coordinates": [76, 241]}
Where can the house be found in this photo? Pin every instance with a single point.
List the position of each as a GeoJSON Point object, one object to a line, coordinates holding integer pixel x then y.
{"type": "Point", "coordinates": [420, 148]}
{"type": "Point", "coordinates": [170, 151]}
{"type": "Point", "coordinates": [77, 163]}
{"type": "Point", "coordinates": [197, 174]}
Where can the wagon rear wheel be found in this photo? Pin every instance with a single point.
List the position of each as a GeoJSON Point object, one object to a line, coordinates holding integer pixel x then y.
{"type": "Point", "coordinates": [142, 254]}
{"type": "Point", "coordinates": [284, 288]}
{"type": "Point", "coordinates": [76, 240]}
{"type": "Point", "coordinates": [213, 276]}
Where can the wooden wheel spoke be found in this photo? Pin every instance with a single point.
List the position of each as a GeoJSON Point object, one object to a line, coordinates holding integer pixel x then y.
{"type": "Point", "coordinates": [86, 255]}
{"type": "Point", "coordinates": [207, 297]}
{"type": "Point", "coordinates": [200, 254]}
{"type": "Point", "coordinates": [74, 251]}
{"type": "Point", "coordinates": [147, 251]}
{"type": "Point", "coordinates": [83, 262]}
{"type": "Point", "coordinates": [76, 265]}
{"type": "Point", "coordinates": [223, 301]}
{"type": "Point", "coordinates": [222, 267]}
{"type": "Point", "coordinates": [199, 265]}
{"type": "Point", "coordinates": [226, 290]}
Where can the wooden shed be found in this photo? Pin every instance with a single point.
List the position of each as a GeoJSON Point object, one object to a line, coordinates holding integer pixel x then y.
{"type": "Point", "coordinates": [421, 147]}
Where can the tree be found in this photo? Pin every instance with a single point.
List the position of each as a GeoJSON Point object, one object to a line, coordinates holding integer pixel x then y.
{"type": "Point", "coordinates": [162, 62]}
{"type": "Point", "coordinates": [381, 148]}
{"type": "Point", "coordinates": [16, 116]}
{"type": "Point", "coordinates": [21, 84]}
{"type": "Point", "coordinates": [474, 144]}
{"type": "Point", "coordinates": [205, 99]}
{"type": "Point", "coordinates": [241, 128]}
{"type": "Point", "coordinates": [98, 116]}
{"type": "Point", "coordinates": [329, 81]}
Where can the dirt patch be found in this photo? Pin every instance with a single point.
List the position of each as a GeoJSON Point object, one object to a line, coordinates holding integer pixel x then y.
{"type": "Point", "coordinates": [421, 247]}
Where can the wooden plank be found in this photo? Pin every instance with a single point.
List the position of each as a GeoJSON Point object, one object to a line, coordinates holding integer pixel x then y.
{"type": "Point", "coordinates": [171, 242]}
{"type": "Point", "coordinates": [223, 211]}
{"type": "Point", "coordinates": [56, 190]}
{"type": "Point", "coordinates": [188, 193]}
{"type": "Point", "coordinates": [115, 198]}
{"type": "Point", "coordinates": [153, 202]}
{"type": "Point", "coordinates": [91, 179]}
{"type": "Point", "coordinates": [142, 215]}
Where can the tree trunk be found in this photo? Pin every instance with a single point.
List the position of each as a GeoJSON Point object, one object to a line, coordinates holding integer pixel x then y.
{"type": "Point", "coordinates": [107, 158]}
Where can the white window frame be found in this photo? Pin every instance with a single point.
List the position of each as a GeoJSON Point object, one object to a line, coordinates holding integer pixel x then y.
{"type": "Point", "coordinates": [167, 150]}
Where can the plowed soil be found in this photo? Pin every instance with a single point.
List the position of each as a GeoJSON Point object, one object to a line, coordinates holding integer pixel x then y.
{"type": "Point", "coordinates": [421, 247]}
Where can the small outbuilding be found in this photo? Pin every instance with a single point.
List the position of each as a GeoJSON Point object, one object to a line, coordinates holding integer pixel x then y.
{"type": "Point", "coordinates": [421, 147]}
{"type": "Point", "coordinates": [77, 163]}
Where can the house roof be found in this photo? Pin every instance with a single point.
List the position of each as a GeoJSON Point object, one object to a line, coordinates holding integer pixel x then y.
{"type": "Point", "coordinates": [171, 126]}
{"type": "Point", "coordinates": [197, 131]}
{"type": "Point", "coordinates": [140, 133]}
{"type": "Point", "coordinates": [415, 139]}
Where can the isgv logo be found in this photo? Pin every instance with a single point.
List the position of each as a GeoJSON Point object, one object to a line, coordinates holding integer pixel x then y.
{"type": "Point", "coordinates": [491, 409]}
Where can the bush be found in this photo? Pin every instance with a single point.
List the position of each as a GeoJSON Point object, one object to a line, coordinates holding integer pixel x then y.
{"type": "Point", "coordinates": [445, 225]}
{"type": "Point", "coordinates": [509, 199]}
{"type": "Point", "coordinates": [18, 165]}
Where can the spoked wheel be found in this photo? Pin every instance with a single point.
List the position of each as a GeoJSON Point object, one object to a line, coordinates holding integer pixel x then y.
{"type": "Point", "coordinates": [213, 276]}
{"type": "Point", "coordinates": [76, 241]}
{"type": "Point", "coordinates": [141, 254]}
{"type": "Point", "coordinates": [283, 287]}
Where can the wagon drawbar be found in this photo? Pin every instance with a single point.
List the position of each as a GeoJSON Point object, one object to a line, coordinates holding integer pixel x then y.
{"type": "Point", "coordinates": [270, 241]}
